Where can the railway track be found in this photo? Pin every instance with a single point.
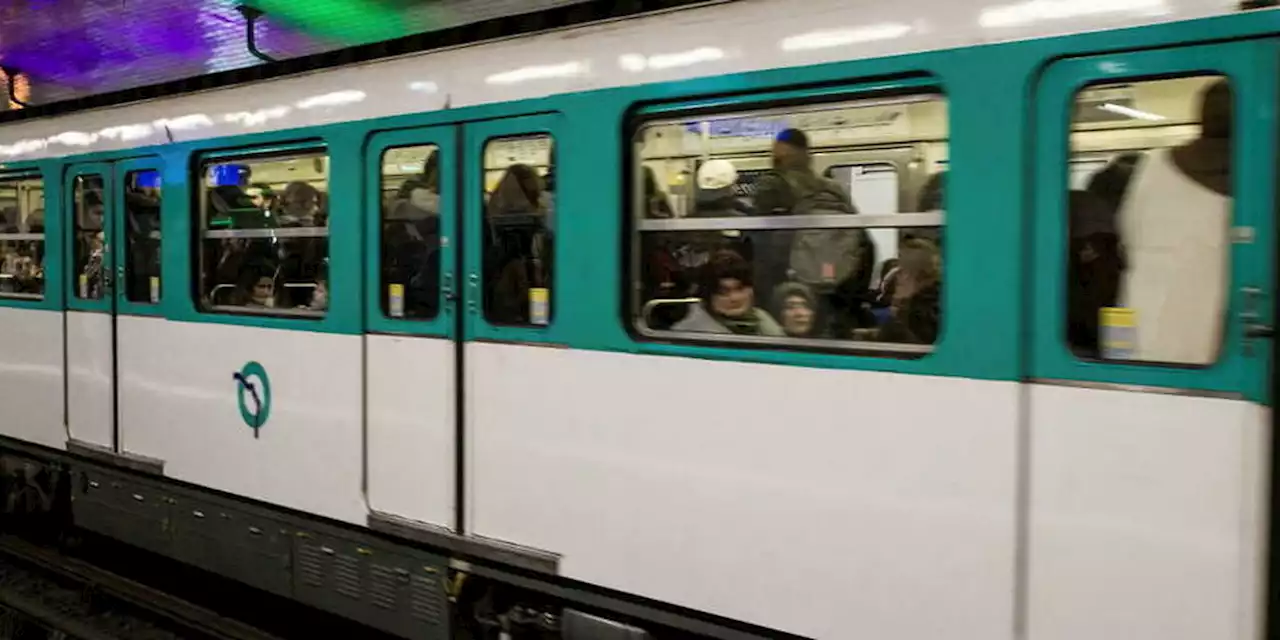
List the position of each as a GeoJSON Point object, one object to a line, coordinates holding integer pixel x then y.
{"type": "Point", "coordinates": [47, 594]}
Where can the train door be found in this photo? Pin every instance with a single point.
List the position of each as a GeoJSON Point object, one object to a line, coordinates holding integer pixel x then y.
{"type": "Point", "coordinates": [113, 260]}
{"type": "Point", "coordinates": [512, 310]}
{"type": "Point", "coordinates": [1149, 414]}
{"type": "Point", "coordinates": [411, 353]}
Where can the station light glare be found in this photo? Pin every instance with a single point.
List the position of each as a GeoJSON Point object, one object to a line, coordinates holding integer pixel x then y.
{"type": "Point", "coordinates": [538, 72]}
{"type": "Point", "coordinates": [1022, 13]}
{"type": "Point", "coordinates": [841, 37]}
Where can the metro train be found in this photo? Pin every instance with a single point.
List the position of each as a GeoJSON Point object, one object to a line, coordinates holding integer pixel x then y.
{"type": "Point", "coordinates": [513, 314]}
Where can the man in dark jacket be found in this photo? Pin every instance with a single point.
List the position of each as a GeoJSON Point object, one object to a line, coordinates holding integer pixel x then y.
{"type": "Point", "coordinates": [835, 263]}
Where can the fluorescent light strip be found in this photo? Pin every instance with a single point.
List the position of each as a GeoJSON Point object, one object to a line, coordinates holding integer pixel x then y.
{"type": "Point", "coordinates": [1132, 113]}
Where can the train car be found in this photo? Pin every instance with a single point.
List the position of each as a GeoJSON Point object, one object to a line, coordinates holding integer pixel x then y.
{"type": "Point", "coordinates": [516, 314]}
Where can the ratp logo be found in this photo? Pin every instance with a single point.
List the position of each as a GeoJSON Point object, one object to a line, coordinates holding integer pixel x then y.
{"type": "Point", "coordinates": [254, 394]}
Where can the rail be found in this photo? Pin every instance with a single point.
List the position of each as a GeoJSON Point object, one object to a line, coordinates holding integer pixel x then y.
{"type": "Point", "coordinates": [194, 621]}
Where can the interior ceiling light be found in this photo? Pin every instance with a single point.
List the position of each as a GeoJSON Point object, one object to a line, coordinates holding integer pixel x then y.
{"type": "Point", "coordinates": [1132, 113]}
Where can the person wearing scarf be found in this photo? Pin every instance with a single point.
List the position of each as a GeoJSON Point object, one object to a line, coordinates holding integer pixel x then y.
{"type": "Point", "coordinates": [728, 301]}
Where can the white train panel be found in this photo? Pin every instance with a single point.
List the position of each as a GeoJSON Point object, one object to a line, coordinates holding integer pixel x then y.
{"type": "Point", "coordinates": [31, 383]}
{"type": "Point", "coordinates": [90, 378]}
{"type": "Point", "coordinates": [1147, 515]}
{"type": "Point", "coordinates": [727, 38]}
{"type": "Point", "coordinates": [833, 504]}
{"type": "Point", "coordinates": [180, 404]}
{"type": "Point", "coordinates": [412, 427]}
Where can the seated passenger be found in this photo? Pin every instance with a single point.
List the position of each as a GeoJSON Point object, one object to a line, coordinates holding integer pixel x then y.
{"type": "Point", "coordinates": [916, 291]}
{"type": "Point", "coordinates": [320, 296]}
{"type": "Point", "coordinates": [728, 302]}
{"type": "Point", "coordinates": [255, 287]}
{"type": "Point", "coordinates": [797, 310]}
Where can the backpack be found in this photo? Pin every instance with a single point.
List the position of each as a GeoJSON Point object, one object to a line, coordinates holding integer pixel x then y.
{"type": "Point", "coordinates": [823, 258]}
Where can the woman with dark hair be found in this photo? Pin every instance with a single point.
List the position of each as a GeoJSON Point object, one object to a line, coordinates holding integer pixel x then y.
{"type": "Point", "coordinates": [518, 255]}
{"type": "Point", "coordinates": [519, 191]}
{"type": "Point", "coordinates": [728, 301]}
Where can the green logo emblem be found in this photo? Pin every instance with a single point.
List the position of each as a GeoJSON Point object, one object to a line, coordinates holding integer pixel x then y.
{"type": "Point", "coordinates": [254, 391]}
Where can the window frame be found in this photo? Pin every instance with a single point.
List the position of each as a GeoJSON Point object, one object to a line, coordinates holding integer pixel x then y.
{"type": "Point", "coordinates": [474, 137]}
{"type": "Point", "coordinates": [445, 139]}
{"type": "Point", "coordinates": [1245, 65]}
{"type": "Point", "coordinates": [200, 161]}
{"type": "Point", "coordinates": [483, 171]}
{"type": "Point", "coordinates": [12, 299]}
{"type": "Point", "coordinates": [120, 170]}
{"type": "Point", "coordinates": [916, 90]}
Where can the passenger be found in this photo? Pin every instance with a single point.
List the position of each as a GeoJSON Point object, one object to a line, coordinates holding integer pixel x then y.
{"type": "Point", "coordinates": [320, 296]}
{"type": "Point", "coordinates": [930, 200]}
{"type": "Point", "coordinates": [548, 197]}
{"type": "Point", "coordinates": [798, 310]}
{"type": "Point", "coordinates": [1094, 268]}
{"type": "Point", "coordinates": [262, 197]}
{"type": "Point", "coordinates": [728, 302]}
{"type": "Point", "coordinates": [656, 201]}
{"type": "Point", "coordinates": [92, 272]}
{"type": "Point", "coordinates": [716, 197]}
{"type": "Point", "coordinates": [419, 196]}
{"type": "Point", "coordinates": [302, 205]}
{"type": "Point", "coordinates": [916, 295]}
{"type": "Point", "coordinates": [1175, 224]}
{"type": "Point", "coordinates": [835, 263]}
{"type": "Point", "coordinates": [931, 192]}
{"type": "Point", "coordinates": [255, 288]}
{"type": "Point", "coordinates": [518, 255]}
{"type": "Point", "coordinates": [519, 191]}
{"type": "Point", "coordinates": [1111, 182]}
{"type": "Point", "coordinates": [35, 222]}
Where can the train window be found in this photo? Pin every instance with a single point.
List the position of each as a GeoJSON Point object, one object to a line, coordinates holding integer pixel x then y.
{"type": "Point", "coordinates": [22, 238]}
{"type": "Point", "coordinates": [89, 210]}
{"type": "Point", "coordinates": [1149, 217]}
{"type": "Point", "coordinates": [519, 208]}
{"type": "Point", "coordinates": [142, 236]}
{"type": "Point", "coordinates": [753, 228]}
{"type": "Point", "coordinates": [411, 232]}
{"type": "Point", "coordinates": [264, 234]}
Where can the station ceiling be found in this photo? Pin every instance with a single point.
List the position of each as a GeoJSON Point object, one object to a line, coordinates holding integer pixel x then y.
{"type": "Point", "coordinates": [68, 49]}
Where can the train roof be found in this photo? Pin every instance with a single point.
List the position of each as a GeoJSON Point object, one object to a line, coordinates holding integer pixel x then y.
{"type": "Point", "coordinates": [731, 37]}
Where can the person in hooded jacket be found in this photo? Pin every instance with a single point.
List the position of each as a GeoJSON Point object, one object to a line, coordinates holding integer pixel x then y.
{"type": "Point", "coordinates": [518, 253]}
{"type": "Point", "coordinates": [797, 310]}
{"type": "Point", "coordinates": [728, 301]}
{"type": "Point", "coordinates": [411, 242]}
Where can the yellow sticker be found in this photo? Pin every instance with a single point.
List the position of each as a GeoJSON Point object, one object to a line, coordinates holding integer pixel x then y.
{"type": "Point", "coordinates": [395, 300]}
{"type": "Point", "coordinates": [155, 289]}
{"type": "Point", "coordinates": [84, 285]}
{"type": "Point", "coordinates": [1117, 332]}
{"type": "Point", "coordinates": [539, 309]}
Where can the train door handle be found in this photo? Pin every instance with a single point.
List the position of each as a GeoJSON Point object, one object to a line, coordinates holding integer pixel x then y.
{"type": "Point", "coordinates": [1259, 331]}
